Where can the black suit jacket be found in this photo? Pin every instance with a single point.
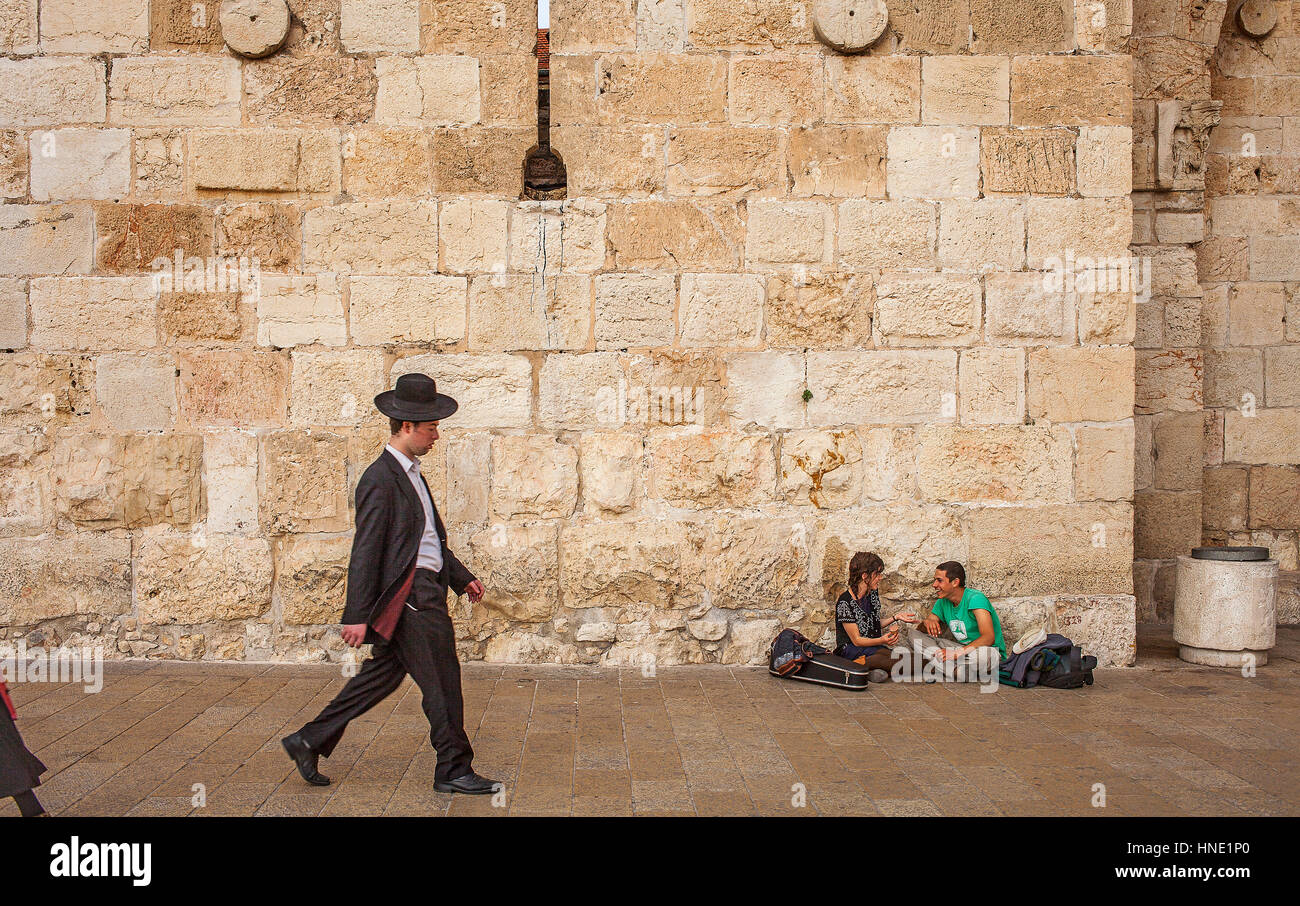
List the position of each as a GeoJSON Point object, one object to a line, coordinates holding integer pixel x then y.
{"type": "Point", "coordinates": [390, 523]}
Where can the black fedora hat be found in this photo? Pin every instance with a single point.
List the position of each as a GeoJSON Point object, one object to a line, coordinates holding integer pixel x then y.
{"type": "Point", "coordinates": [415, 398]}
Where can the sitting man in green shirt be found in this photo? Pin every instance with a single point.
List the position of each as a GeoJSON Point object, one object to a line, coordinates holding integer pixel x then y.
{"type": "Point", "coordinates": [963, 632]}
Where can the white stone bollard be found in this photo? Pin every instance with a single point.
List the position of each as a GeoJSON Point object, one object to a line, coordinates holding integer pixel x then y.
{"type": "Point", "coordinates": [1224, 611]}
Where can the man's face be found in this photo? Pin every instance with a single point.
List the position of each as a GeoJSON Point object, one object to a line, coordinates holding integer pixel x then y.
{"type": "Point", "coordinates": [943, 586]}
{"type": "Point", "coordinates": [421, 436]}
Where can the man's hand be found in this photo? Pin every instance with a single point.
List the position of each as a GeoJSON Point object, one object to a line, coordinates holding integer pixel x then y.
{"type": "Point", "coordinates": [950, 654]}
{"type": "Point", "coordinates": [931, 625]}
{"type": "Point", "coordinates": [354, 634]}
{"type": "Point", "coordinates": [906, 616]}
{"type": "Point", "coordinates": [475, 591]}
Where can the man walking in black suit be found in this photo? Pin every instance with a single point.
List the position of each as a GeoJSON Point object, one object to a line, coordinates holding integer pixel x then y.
{"type": "Point", "coordinates": [398, 578]}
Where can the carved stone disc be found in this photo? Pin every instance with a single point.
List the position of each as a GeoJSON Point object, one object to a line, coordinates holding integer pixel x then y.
{"type": "Point", "coordinates": [1257, 17]}
{"type": "Point", "coordinates": [254, 28]}
{"type": "Point", "coordinates": [849, 26]}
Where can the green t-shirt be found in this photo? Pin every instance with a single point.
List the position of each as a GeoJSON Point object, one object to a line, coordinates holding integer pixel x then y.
{"type": "Point", "coordinates": [961, 622]}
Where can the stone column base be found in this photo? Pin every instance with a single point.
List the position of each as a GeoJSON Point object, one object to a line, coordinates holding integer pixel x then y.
{"type": "Point", "coordinates": [1212, 657]}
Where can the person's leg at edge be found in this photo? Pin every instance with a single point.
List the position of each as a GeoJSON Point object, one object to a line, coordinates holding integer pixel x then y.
{"type": "Point", "coordinates": [29, 805]}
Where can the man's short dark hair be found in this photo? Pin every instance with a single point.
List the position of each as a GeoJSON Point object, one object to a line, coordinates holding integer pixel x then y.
{"type": "Point", "coordinates": [954, 570]}
{"type": "Point", "coordinates": [396, 424]}
{"type": "Point", "coordinates": [863, 564]}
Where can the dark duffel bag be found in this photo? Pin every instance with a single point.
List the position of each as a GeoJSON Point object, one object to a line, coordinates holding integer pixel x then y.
{"type": "Point", "coordinates": [829, 670]}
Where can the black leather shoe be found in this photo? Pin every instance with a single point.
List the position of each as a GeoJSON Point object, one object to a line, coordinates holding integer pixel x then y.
{"type": "Point", "coordinates": [467, 783]}
{"type": "Point", "coordinates": [305, 759]}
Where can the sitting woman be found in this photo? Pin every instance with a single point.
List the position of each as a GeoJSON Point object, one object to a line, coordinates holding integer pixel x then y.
{"type": "Point", "coordinates": [859, 634]}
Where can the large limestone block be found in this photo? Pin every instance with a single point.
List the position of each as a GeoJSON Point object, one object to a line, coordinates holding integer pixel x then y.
{"type": "Point", "coordinates": [1282, 376]}
{"type": "Point", "coordinates": [927, 309]}
{"type": "Point", "coordinates": [93, 313]}
{"type": "Point", "coordinates": [839, 161]}
{"type": "Point", "coordinates": [44, 391]}
{"type": "Point", "coordinates": [672, 235]}
{"type": "Point", "coordinates": [13, 313]}
{"type": "Point", "coordinates": [174, 91]}
{"type": "Point", "coordinates": [372, 237]}
{"type": "Point", "coordinates": [1177, 449]}
{"type": "Point", "coordinates": [473, 236]}
{"type": "Point", "coordinates": [294, 311]}
{"type": "Point", "coordinates": [45, 239]}
{"type": "Point", "coordinates": [1082, 90]}
{"type": "Point", "coordinates": [1005, 463]}
{"type": "Point", "coordinates": [578, 227]}
{"type": "Point", "coordinates": [887, 234]}
{"type": "Point", "coordinates": [1062, 230]}
{"type": "Point", "coordinates": [159, 164]}
{"type": "Point", "coordinates": [315, 88]}
{"type": "Point", "coordinates": [725, 161]}
{"type": "Point", "coordinates": [600, 25]}
{"type": "Point", "coordinates": [481, 159]}
{"type": "Point", "coordinates": [1274, 497]}
{"type": "Point", "coordinates": [230, 481]}
{"type": "Point", "coordinates": [303, 482]}
{"type": "Point", "coordinates": [1038, 161]}
{"type": "Point", "coordinates": [1105, 626]}
{"type": "Point", "coordinates": [107, 481]}
{"type": "Point", "coordinates": [765, 389]}
{"type": "Point", "coordinates": [514, 311]}
{"type": "Point", "coordinates": [1086, 548]}
{"type": "Point", "coordinates": [14, 165]}
{"type": "Point", "coordinates": [200, 578]}
{"type": "Point", "coordinates": [95, 26]}
{"type": "Point", "coordinates": [634, 310]}
{"type": "Point", "coordinates": [991, 386]}
{"type": "Point", "coordinates": [136, 392]}
{"type": "Point", "coordinates": [1105, 157]}
{"type": "Point", "coordinates": [721, 310]}
{"type": "Point", "coordinates": [1225, 500]}
{"type": "Point", "coordinates": [382, 163]}
{"type": "Point", "coordinates": [750, 642]}
{"type": "Point", "coordinates": [51, 90]}
{"type": "Point", "coordinates": [1256, 314]}
{"type": "Point", "coordinates": [469, 479]}
{"type": "Point", "coordinates": [612, 465]}
{"type": "Point", "coordinates": [428, 91]}
{"type": "Point", "coordinates": [1083, 384]}
{"type": "Point", "coordinates": [166, 239]}
{"type": "Point", "coordinates": [237, 387]}
{"type": "Point", "coordinates": [508, 83]}
{"type": "Point", "coordinates": [709, 470]}
{"type": "Point", "coordinates": [467, 26]}
{"type": "Point", "coordinates": [224, 161]}
{"type": "Point", "coordinates": [311, 578]}
{"type": "Point", "coordinates": [873, 89]}
{"type": "Point", "coordinates": [661, 88]}
{"type": "Point", "coordinates": [1103, 463]}
{"type": "Point", "coordinates": [762, 24]}
{"type": "Point", "coordinates": [933, 162]}
{"type": "Point", "coordinates": [1106, 317]}
{"type": "Point", "coordinates": [629, 162]}
{"type": "Point", "coordinates": [912, 540]}
{"type": "Point", "coordinates": [18, 29]}
{"type": "Point", "coordinates": [519, 566]}
{"type": "Point", "coordinates": [882, 387]}
{"type": "Point", "coordinates": [61, 575]}
{"type": "Point", "coordinates": [888, 464]}
{"type": "Point", "coordinates": [826, 311]}
{"type": "Point", "coordinates": [269, 232]}
{"type": "Point", "coordinates": [406, 310]}
{"type": "Point", "coordinates": [379, 25]}
{"type": "Point", "coordinates": [1021, 26]}
{"type": "Point", "coordinates": [822, 468]}
{"type": "Point", "coordinates": [1268, 436]}
{"type": "Point", "coordinates": [533, 475]}
{"type": "Point", "coordinates": [72, 164]}
{"type": "Point", "coordinates": [783, 233]}
{"type": "Point", "coordinates": [1026, 310]}
{"type": "Point", "coordinates": [757, 562]}
{"type": "Point", "coordinates": [24, 482]}
{"type": "Point", "coordinates": [982, 235]}
{"type": "Point", "coordinates": [670, 387]}
{"type": "Point", "coordinates": [616, 564]}
{"type": "Point", "coordinates": [965, 90]}
{"type": "Point", "coordinates": [337, 387]}
{"type": "Point", "coordinates": [582, 391]}
{"type": "Point", "coordinates": [772, 91]}
{"type": "Point", "coordinates": [1169, 381]}
{"type": "Point", "coordinates": [494, 391]}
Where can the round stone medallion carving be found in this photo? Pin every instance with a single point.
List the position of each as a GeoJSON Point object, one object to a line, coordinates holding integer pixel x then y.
{"type": "Point", "coordinates": [1257, 17]}
{"type": "Point", "coordinates": [849, 26]}
{"type": "Point", "coordinates": [254, 28]}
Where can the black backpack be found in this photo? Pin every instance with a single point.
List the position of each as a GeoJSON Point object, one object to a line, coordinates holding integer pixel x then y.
{"type": "Point", "coordinates": [1057, 663]}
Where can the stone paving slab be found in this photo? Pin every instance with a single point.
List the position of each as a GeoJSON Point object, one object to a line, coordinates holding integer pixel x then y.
{"type": "Point", "coordinates": [1164, 738]}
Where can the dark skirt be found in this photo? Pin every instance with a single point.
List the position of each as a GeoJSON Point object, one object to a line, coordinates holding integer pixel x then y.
{"type": "Point", "coordinates": [20, 770]}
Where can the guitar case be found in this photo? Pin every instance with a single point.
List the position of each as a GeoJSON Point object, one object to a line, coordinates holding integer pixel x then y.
{"type": "Point", "coordinates": [829, 670]}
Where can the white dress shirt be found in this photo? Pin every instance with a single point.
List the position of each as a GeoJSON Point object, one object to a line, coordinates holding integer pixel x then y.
{"type": "Point", "coordinates": [430, 555]}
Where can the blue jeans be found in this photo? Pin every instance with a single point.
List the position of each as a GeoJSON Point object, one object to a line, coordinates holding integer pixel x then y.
{"type": "Point", "coordinates": [853, 652]}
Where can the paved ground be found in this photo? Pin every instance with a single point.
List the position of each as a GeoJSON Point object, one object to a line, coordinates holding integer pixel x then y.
{"type": "Point", "coordinates": [1165, 738]}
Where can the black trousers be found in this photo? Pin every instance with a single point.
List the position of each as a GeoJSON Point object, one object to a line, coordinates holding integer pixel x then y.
{"type": "Point", "coordinates": [423, 645]}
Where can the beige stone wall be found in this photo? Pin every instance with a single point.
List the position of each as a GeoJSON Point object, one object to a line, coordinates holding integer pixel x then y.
{"type": "Point", "coordinates": [797, 304]}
